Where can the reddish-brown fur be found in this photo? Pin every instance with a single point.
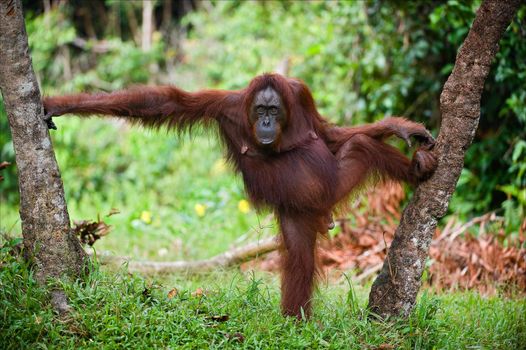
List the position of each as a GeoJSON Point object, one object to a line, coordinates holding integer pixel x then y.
{"type": "Point", "coordinates": [314, 167]}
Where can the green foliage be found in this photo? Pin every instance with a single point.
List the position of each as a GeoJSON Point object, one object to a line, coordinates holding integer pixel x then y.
{"type": "Point", "coordinates": [123, 63]}
{"type": "Point", "coordinates": [46, 35]}
{"type": "Point", "coordinates": [333, 46]}
{"type": "Point", "coordinates": [364, 60]}
{"type": "Point", "coordinates": [9, 185]}
{"type": "Point", "coordinates": [114, 310]}
{"type": "Point", "coordinates": [494, 175]}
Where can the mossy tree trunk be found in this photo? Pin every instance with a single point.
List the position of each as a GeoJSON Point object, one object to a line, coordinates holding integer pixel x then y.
{"type": "Point", "coordinates": [48, 240]}
{"type": "Point", "coordinates": [394, 291]}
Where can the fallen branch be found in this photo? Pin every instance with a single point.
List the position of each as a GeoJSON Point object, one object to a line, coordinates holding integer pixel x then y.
{"type": "Point", "coordinates": [232, 257]}
{"type": "Point", "coordinates": [452, 234]}
{"type": "Point", "coordinates": [253, 250]}
{"type": "Point", "coordinates": [368, 272]}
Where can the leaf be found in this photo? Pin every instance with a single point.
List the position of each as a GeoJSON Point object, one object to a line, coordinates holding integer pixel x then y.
{"type": "Point", "coordinates": [172, 293]}
{"type": "Point", "coordinates": [90, 231]}
{"type": "Point", "coordinates": [220, 318]}
{"type": "Point", "coordinates": [235, 336]}
{"type": "Point", "coordinates": [113, 211]}
{"type": "Point", "coordinates": [198, 292]}
{"type": "Point", "coordinates": [4, 165]}
{"type": "Point", "coordinates": [367, 241]}
{"type": "Point", "coordinates": [384, 347]}
{"type": "Point", "coordinates": [517, 151]}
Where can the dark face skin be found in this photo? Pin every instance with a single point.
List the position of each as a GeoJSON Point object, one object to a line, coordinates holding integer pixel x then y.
{"type": "Point", "coordinates": [267, 116]}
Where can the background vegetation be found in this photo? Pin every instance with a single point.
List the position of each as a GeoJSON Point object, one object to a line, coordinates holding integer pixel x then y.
{"type": "Point", "coordinates": [363, 60]}
{"type": "Point", "coordinates": [179, 200]}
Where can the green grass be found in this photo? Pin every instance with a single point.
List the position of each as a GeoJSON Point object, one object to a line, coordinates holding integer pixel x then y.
{"type": "Point", "coordinates": [238, 310]}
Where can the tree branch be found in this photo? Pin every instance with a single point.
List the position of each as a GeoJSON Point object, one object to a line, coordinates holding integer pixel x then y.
{"type": "Point", "coordinates": [232, 257]}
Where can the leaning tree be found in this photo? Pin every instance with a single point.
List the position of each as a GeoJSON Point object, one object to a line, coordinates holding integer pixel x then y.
{"type": "Point", "coordinates": [394, 291]}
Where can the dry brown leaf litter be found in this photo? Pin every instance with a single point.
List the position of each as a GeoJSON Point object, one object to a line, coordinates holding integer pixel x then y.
{"type": "Point", "coordinates": [473, 255]}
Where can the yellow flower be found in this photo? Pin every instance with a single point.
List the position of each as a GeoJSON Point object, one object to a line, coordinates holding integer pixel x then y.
{"type": "Point", "coordinates": [243, 206]}
{"type": "Point", "coordinates": [200, 209]}
{"type": "Point", "coordinates": [146, 217]}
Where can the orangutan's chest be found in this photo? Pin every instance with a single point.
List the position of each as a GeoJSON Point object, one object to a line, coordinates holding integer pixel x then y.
{"type": "Point", "coordinates": [295, 180]}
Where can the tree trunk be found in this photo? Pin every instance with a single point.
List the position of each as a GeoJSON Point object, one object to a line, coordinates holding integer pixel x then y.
{"type": "Point", "coordinates": [394, 291]}
{"type": "Point", "coordinates": [48, 240]}
{"type": "Point", "coordinates": [147, 24]}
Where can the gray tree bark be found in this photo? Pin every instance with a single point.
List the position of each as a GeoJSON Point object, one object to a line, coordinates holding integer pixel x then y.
{"type": "Point", "coordinates": [394, 291]}
{"type": "Point", "coordinates": [147, 25]}
{"type": "Point", "coordinates": [48, 240]}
